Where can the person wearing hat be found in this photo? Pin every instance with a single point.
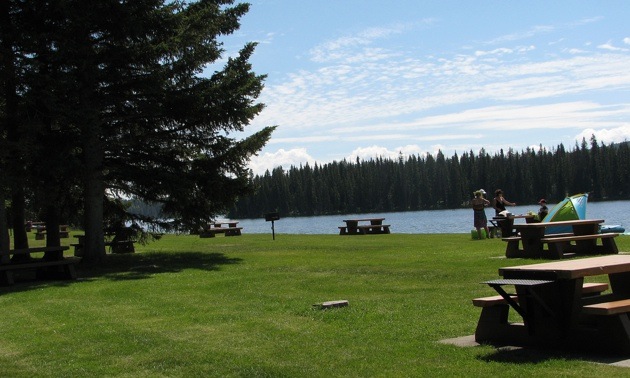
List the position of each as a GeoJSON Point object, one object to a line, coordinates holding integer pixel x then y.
{"type": "Point", "coordinates": [480, 220]}
{"type": "Point", "coordinates": [543, 211]}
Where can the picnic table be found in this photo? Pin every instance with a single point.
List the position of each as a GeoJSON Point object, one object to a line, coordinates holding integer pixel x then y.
{"type": "Point", "coordinates": [229, 228]}
{"type": "Point", "coordinates": [584, 240]}
{"type": "Point", "coordinates": [367, 226]}
{"type": "Point", "coordinates": [51, 265]}
{"type": "Point", "coordinates": [40, 231]}
{"type": "Point", "coordinates": [506, 224]}
{"type": "Point", "coordinates": [558, 309]}
{"type": "Point", "coordinates": [119, 241]}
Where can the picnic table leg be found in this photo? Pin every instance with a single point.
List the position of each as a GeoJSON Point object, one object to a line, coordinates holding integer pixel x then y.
{"type": "Point", "coordinates": [556, 250]}
{"type": "Point", "coordinates": [506, 226]}
{"type": "Point", "coordinates": [609, 246]}
{"type": "Point", "coordinates": [613, 334]}
{"type": "Point", "coordinates": [511, 250]}
{"type": "Point", "coordinates": [6, 277]}
{"type": "Point", "coordinates": [490, 321]}
{"type": "Point", "coordinates": [352, 227]}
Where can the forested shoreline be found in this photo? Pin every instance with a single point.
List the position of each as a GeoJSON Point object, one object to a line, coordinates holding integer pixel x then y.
{"type": "Point", "coordinates": [431, 182]}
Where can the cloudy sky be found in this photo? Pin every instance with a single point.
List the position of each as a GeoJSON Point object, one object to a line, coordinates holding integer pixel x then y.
{"type": "Point", "coordinates": [365, 78]}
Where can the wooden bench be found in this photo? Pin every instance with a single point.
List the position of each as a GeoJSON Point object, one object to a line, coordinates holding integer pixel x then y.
{"type": "Point", "coordinates": [365, 229]}
{"type": "Point", "coordinates": [558, 245]}
{"type": "Point", "coordinates": [607, 308]}
{"type": "Point", "coordinates": [495, 309]}
{"type": "Point", "coordinates": [46, 267]}
{"type": "Point", "coordinates": [611, 320]}
{"type": "Point", "coordinates": [228, 231]}
{"type": "Point", "coordinates": [588, 289]}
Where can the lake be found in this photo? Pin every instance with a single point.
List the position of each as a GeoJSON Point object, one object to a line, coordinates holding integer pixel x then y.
{"type": "Point", "coordinates": [425, 222]}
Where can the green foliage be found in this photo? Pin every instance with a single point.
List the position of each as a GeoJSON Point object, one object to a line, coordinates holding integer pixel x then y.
{"type": "Point", "coordinates": [105, 100]}
{"type": "Point", "coordinates": [242, 306]}
{"type": "Point", "coordinates": [436, 182]}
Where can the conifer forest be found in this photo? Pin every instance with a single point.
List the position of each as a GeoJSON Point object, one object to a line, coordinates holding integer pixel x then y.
{"type": "Point", "coordinates": [431, 182]}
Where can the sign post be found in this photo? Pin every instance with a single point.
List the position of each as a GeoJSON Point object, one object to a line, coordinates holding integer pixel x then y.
{"type": "Point", "coordinates": [272, 217]}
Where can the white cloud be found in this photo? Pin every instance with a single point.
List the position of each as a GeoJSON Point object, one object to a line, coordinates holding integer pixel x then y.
{"type": "Point", "coordinates": [268, 161]}
{"type": "Point", "coordinates": [353, 48]}
{"type": "Point", "coordinates": [609, 46]}
{"type": "Point", "coordinates": [372, 152]}
{"type": "Point", "coordinates": [607, 136]}
{"type": "Point", "coordinates": [363, 90]}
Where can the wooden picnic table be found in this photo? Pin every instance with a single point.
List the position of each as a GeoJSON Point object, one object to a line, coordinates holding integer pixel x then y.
{"type": "Point", "coordinates": [229, 228]}
{"type": "Point", "coordinates": [51, 265]}
{"type": "Point", "coordinates": [40, 231]}
{"type": "Point", "coordinates": [119, 241]}
{"type": "Point", "coordinates": [506, 224]}
{"type": "Point", "coordinates": [556, 309]}
{"type": "Point", "coordinates": [583, 240]}
{"type": "Point", "coordinates": [353, 226]}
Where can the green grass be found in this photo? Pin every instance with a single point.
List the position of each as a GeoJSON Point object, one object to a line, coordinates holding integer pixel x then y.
{"type": "Point", "coordinates": [242, 307]}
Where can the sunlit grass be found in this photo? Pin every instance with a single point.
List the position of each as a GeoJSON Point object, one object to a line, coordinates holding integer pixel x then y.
{"type": "Point", "coordinates": [243, 306]}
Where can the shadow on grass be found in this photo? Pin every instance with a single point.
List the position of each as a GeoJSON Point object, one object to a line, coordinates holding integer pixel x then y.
{"type": "Point", "coordinates": [516, 355]}
{"type": "Point", "coordinates": [135, 266]}
{"type": "Point", "coordinates": [132, 266]}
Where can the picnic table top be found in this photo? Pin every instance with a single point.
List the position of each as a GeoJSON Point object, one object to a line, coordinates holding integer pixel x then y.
{"type": "Point", "coordinates": [571, 269]}
{"type": "Point", "coordinates": [364, 220]}
{"type": "Point", "coordinates": [559, 223]}
{"type": "Point", "coordinates": [512, 216]}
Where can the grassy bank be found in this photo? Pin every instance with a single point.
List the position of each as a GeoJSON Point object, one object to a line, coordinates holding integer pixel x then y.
{"type": "Point", "coordinates": [242, 306]}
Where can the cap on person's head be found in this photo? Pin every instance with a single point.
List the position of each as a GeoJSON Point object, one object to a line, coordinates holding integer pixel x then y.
{"type": "Point", "coordinates": [542, 201]}
{"type": "Point", "coordinates": [482, 191]}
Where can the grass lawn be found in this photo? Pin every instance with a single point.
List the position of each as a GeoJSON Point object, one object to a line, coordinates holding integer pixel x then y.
{"type": "Point", "coordinates": [243, 307]}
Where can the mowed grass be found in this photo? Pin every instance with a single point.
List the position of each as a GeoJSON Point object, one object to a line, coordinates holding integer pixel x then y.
{"type": "Point", "coordinates": [243, 307]}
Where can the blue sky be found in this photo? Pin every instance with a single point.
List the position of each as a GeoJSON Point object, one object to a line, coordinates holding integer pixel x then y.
{"type": "Point", "coordinates": [364, 78]}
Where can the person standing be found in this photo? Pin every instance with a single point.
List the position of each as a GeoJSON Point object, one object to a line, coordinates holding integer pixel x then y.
{"type": "Point", "coordinates": [480, 220]}
{"type": "Point", "coordinates": [499, 202]}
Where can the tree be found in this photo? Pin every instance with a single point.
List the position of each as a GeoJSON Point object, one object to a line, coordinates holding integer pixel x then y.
{"type": "Point", "coordinates": [119, 83]}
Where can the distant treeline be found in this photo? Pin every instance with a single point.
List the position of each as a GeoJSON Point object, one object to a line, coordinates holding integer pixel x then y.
{"type": "Point", "coordinates": [437, 182]}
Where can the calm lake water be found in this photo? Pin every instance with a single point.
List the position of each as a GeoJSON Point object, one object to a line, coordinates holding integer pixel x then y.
{"type": "Point", "coordinates": [425, 222]}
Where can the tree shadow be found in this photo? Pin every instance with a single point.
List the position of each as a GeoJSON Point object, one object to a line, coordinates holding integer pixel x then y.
{"type": "Point", "coordinates": [130, 266]}
{"type": "Point", "coordinates": [135, 266]}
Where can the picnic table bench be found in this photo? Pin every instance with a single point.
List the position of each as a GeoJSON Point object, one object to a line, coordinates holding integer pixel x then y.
{"type": "Point", "coordinates": [52, 265]}
{"type": "Point", "coordinates": [229, 228]}
{"type": "Point", "coordinates": [558, 309]}
{"type": "Point", "coordinates": [583, 240]}
{"type": "Point", "coordinates": [353, 227]}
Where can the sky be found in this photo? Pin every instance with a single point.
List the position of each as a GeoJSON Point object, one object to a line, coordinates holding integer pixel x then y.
{"type": "Point", "coordinates": [350, 79]}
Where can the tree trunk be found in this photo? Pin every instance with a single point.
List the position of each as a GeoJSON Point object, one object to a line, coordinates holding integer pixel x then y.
{"type": "Point", "coordinates": [94, 190]}
{"type": "Point", "coordinates": [53, 238]}
{"type": "Point", "coordinates": [15, 161]}
{"type": "Point", "coordinates": [20, 238]}
{"type": "Point", "coordinates": [4, 231]}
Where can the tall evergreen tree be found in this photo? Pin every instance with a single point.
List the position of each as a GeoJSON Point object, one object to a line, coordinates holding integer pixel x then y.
{"type": "Point", "coordinates": [120, 83]}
